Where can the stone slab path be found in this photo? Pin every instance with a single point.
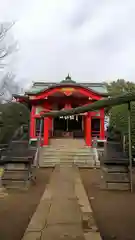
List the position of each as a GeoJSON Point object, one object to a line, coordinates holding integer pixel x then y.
{"type": "Point", "coordinates": [64, 211]}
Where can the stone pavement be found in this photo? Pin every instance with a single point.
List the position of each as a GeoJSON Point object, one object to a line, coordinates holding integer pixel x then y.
{"type": "Point", "coordinates": [64, 211]}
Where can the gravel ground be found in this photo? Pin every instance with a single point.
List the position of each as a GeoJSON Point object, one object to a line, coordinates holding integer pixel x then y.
{"type": "Point", "coordinates": [17, 208]}
{"type": "Point", "coordinates": [114, 211]}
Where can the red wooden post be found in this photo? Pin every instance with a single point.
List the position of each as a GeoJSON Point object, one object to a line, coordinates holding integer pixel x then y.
{"type": "Point", "coordinates": [88, 130]}
{"type": "Point", "coordinates": [32, 123]}
{"type": "Point", "coordinates": [102, 130]}
{"type": "Point", "coordinates": [46, 131]}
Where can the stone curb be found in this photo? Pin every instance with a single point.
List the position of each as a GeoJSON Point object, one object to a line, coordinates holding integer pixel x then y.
{"type": "Point", "coordinates": [90, 228]}
{"type": "Point", "coordinates": [39, 218]}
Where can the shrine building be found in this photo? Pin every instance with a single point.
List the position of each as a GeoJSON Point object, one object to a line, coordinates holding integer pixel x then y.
{"type": "Point", "coordinates": [67, 94]}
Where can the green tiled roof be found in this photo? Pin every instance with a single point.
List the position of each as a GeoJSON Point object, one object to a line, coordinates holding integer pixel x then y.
{"type": "Point", "coordinates": [42, 86]}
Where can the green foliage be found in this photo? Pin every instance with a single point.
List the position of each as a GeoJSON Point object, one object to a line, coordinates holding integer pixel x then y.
{"type": "Point", "coordinates": [12, 116]}
{"type": "Point", "coordinates": [120, 86]}
{"type": "Point", "coordinates": [119, 117]}
{"type": "Point", "coordinates": [119, 114]}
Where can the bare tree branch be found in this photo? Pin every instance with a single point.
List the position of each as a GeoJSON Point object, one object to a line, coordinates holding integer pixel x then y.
{"type": "Point", "coordinates": [4, 28]}
{"type": "Point", "coordinates": [8, 87]}
{"type": "Point", "coordinates": [6, 50]}
{"type": "Point", "coordinates": [7, 84]}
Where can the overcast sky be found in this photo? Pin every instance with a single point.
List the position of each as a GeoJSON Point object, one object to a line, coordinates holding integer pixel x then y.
{"type": "Point", "coordinates": [93, 40]}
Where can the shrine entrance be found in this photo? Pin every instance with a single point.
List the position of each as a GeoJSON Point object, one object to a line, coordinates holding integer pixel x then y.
{"type": "Point", "coordinates": [59, 124]}
{"type": "Point", "coordinates": [64, 96]}
{"type": "Point", "coordinates": [69, 126]}
{"type": "Point", "coordinates": [95, 127]}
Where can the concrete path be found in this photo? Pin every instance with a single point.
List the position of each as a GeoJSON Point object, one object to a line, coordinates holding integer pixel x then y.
{"type": "Point", "coordinates": [64, 211]}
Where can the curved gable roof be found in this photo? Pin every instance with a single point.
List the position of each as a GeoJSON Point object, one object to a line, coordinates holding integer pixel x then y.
{"type": "Point", "coordinates": [40, 87]}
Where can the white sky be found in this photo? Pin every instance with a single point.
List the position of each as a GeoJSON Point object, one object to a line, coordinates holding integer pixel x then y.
{"type": "Point", "coordinates": [93, 40]}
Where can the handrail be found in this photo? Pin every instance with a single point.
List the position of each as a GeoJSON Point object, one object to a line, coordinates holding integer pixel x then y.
{"type": "Point", "coordinates": [39, 138]}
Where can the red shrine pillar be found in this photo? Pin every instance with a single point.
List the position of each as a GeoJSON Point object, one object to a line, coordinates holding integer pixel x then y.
{"type": "Point", "coordinates": [46, 131]}
{"type": "Point", "coordinates": [88, 138]}
{"type": "Point", "coordinates": [32, 123]}
{"type": "Point", "coordinates": [47, 125]}
{"type": "Point", "coordinates": [102, 130]}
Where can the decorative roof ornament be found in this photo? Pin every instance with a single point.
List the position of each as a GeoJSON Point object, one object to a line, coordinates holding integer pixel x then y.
{"type": "Point", "coordinates": [68, 79]}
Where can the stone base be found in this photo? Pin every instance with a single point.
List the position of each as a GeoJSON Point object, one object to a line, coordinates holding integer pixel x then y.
{"type": "Point", "coordinates": [9, 184]}
{"type": "Point", "coordinates": [3, 192]}
{"type": "Point", "coordinates": [114, 169]}
{"type": "Point", "coordinates": [116, 177]}
{"type": "Point", "coordinates": [115, 186]}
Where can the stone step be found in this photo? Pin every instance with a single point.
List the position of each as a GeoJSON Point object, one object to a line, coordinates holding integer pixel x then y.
{"type": "Point", "coordinates": [11, 166]}
{"type": "Point", "coordinates": [14, 175]}
{"type": "Point", "coordinates": [67, 149]}
{"type": "Point", "coordinates": [67, 141]}
{"type": "Point", "coordinates": [63, 144]}
{"type": "Point", "coordinates": [82, 155]}
{"type": "Point", "coordinates": [67, 144]}
{"type": "Point", "coordinates": [16, 184]}
{"type": "Point", "coordinates": [66, 154]}
{"type": "Point", "coordinates": [116, 177]}
{"type": "Point", "coordinates": [67, 159]}
{"type": "Point", "coordinates": [114, 169]}
{"type": "Point", "coordinates": [48, 164]}
{"type": "Point", "coordinates": [80, 165]}
{"type": "Point", "coordinates": [117, 186]}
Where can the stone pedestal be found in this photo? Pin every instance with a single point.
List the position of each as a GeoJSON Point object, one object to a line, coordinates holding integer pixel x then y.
{"type": "Point", "coordinates": [115, 177]}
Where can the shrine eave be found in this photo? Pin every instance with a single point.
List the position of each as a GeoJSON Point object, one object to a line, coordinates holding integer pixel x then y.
{"type": "Point", "coordinates": [21, 97]}
{"type": "Point", "coordinates": [66, 85]}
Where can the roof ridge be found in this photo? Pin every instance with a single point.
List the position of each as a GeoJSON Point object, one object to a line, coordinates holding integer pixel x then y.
{"type": "Point", "coordinates": [45, 83]}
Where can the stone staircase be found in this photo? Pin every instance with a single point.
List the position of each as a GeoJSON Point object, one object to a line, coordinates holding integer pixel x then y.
{"type": "Point", "coordinates": [16, 165]}
{"type": "Point", "coordinates": [68, 151]}
{"type": "Point", "coordinates": [16, 176]}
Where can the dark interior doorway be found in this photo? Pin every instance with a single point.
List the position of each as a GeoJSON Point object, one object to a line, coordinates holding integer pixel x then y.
{"type": "Point", "coordinates": [75, 124]}
{"type": "Point", "coordinates": [60, 124]}
{"type": "Point", "coordinates": [38, 122]}
{"type": "Point", "coordinates": [95, 127]}
{"type": "Point", "coordinates": [69, 124]}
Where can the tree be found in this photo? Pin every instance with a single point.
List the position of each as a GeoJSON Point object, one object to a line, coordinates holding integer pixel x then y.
{"type": "Point", "coordinates": [7, 84]}
{"type": "Point", "coordinates": [5, 48]}
{"type": "Point", "coordinates": [8, 87]}
{"type": "Point", "coordinates": [120, 86]}
{"type": "Point", "coordinates": [119, 114]}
